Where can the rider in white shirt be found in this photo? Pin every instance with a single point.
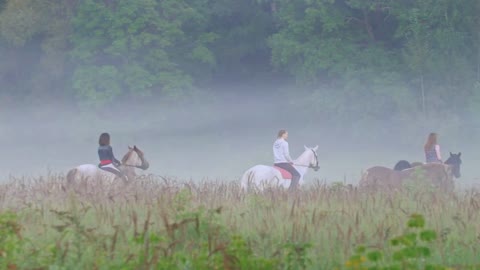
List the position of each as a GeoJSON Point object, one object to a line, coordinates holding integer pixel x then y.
{"type": "Point", "coordinates": [282, 157]}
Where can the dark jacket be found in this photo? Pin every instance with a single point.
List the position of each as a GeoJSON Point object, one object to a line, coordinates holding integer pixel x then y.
{"type": "Point", "coordinates": [105, 153]}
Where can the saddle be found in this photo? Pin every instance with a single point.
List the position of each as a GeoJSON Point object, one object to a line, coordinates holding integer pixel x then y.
{"type": "Point", "coordinates": [285, 173]}
{"type": "Point", "coordinates": [114, 171]}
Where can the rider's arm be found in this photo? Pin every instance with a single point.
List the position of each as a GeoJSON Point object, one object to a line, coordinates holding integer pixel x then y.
{"type": "Point", "coordinates": [437, 150]}
{"type": "Point", "coordinates": [114, 160]}
{"type": "Point", "coordinates": [286, 152]}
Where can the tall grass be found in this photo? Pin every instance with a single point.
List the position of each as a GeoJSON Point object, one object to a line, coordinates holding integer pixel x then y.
{"type": "Point", "coordinates": [158, 223]}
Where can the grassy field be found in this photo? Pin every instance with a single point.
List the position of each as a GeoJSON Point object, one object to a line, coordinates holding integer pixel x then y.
{"type": "Point", "coordinates": [157, 223]}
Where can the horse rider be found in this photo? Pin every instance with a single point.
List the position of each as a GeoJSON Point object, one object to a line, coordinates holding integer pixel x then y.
{"type": "Point", "coordinates": [282, 158]}
{"type": "Point", "coordinates": [108, 162]}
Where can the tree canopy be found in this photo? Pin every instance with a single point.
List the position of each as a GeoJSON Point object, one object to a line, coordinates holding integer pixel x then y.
{"type": "Point", "coordinates": [352, 58]}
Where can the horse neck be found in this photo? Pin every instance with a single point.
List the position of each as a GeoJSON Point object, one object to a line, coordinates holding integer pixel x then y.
{"type": "Point", "coordinates": [304, 161]}
{"type": "Point", "coordinates": [304, 158]}
{"type": "Point", "coordinates": [301, 170]}
{"type": "Point", "coordinates": [129, 171]}
{"type": "Point", "coordinates": [448, 161]}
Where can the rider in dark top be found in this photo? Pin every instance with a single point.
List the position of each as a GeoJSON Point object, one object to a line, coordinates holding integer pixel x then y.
{"type": "Point", "coordinates": [108, 162]}
{"type": "Point", "coordinates": [105, 153]}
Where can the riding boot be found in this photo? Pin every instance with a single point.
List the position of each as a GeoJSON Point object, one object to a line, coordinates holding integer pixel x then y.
{"type": "Point", "coordinates": [293, 183]}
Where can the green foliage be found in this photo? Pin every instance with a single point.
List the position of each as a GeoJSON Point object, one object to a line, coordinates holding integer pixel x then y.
{"type": "Point", "coordinates": [204, 247]}
{"type": "Point", "coordinates": [296, 256]}
{"type": "Point", "coordinates": [348, 60]}
{"type": "Point", "coordinates": [99, 85]}
{"type": "Point", "coordinates": [408, 251]}
{"type": "Point", "coordinates": [164, 226]}
{"type": "Point", "coordinates": [11, 241]}
{"type": "Point", "coordinates": [20, 21]}
{"type": "Point", "coordinates": [141, 41]}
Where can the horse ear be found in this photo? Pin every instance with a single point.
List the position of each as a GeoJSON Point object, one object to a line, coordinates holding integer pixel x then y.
{"type": "Point", "coordinates": [134, 147]}
{"type": "Point", "coordinates": [315, 148]}
{"type": "Point", "coordinates": [129, 147]}
{"type": "Point", "coordinates": [459, 154]}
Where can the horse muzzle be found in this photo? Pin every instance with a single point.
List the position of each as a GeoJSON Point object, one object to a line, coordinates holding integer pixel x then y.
{"type": "Point", "coordinates": [145, 165]}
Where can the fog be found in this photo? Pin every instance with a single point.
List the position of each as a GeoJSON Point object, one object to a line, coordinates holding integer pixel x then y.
{"type": "Point", "coordinates": [213, 137]}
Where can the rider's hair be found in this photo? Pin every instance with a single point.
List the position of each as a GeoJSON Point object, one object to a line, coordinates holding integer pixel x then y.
{"type": "Point", "coordinates": [431, 141]}
{"type": "Point", "coordinates": [281, 132]}
{"type": "Point", "coordinates": [104, 139]}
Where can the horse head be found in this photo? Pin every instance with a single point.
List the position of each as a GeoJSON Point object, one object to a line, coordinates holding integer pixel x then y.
{"type": "Point", "coordinates": [135, 158]}
{"type": "Point", "coordinates": [313, 157]}
{"type": "Point", "coordinates": [455, 161]}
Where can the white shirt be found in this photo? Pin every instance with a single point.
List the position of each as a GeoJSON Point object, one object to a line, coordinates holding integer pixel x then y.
{"type": "Point", "coordinates": [280, 151]}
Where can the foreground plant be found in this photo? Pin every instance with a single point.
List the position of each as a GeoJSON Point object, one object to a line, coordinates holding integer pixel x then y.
{"type": "Point", "coordinates": [408, 251]}
{"type": "Point", "coordinates": [164, 224]}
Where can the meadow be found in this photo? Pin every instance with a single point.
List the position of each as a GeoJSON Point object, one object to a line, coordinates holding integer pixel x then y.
{"type": "Point", "coordinates": [161, 223]}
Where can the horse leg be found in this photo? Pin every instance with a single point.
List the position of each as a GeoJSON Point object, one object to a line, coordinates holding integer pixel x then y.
{"type": "Point", "coordinates": [294, 182]}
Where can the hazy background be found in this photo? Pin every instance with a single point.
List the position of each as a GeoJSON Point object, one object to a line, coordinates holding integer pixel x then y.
{"type": "Point", "coordinates": [216, 139]}
{"type": "Point", "coordinates": [203, 86]}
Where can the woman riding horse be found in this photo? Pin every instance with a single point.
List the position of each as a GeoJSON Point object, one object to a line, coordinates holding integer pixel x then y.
{"type": "Point", "coordinates": [432, 149]}
{"type": "Point", "coordinates": [108, 162]}
{"type": "Point", "coordinates": [282, 158]}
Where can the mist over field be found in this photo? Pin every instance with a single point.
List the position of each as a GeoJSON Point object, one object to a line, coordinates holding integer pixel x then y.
{"type": "Point", "coordinates": [208, 139]}
{"type": "Point", "coordinates": [204, 86]}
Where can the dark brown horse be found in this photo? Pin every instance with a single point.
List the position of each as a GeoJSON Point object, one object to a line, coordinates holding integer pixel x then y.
{"type": "Point", "coordinates": [439, 175]}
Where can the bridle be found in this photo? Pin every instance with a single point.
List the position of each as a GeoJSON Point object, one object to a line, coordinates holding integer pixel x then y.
{"type": "Point", "coordinates": [315, 167]}
{"type": "Point", "coordinates": [144, 165]}
{"type": "Point", "coordinates": [454, 166]}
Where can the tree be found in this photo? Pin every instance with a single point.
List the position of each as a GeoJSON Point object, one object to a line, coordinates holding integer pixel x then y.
{"type": "Point", "coordinates": [337, 50]}
{"type": "Point", "coordinates": [140, 48]}
{"type": "Point", "coordinates": [437, 45]}
{"type": "Point", "coordinates": [33, 46]}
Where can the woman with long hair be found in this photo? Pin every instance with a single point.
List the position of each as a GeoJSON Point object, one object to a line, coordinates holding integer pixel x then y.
{"type": "Point", "coordinates": [432, 149]}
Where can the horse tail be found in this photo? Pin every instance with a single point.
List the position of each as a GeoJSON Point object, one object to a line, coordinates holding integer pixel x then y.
{"type": "Point", "coordinates": [402, 165]}
{"type": "Point", "coordinates": [71, 176]}
{"type": "Point", "coordinates": [246, 180]}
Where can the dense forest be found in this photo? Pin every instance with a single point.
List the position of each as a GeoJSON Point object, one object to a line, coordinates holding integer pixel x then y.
{"type": "Point", "coordinates": [348, 60]}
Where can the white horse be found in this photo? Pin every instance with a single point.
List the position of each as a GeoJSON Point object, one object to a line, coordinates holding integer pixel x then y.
{"type": "Point", "coordinates": [262, 176]}
{"type": "Point", "coordinates": [134, 158]}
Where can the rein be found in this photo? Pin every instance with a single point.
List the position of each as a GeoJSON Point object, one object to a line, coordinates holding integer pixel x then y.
{"type": "Point", "coordinates": [144, 165]}
{"type": "Point", "coordinates": [310, 165]}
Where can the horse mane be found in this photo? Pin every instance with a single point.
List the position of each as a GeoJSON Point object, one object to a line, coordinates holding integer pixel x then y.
{"type": "Point", "coordinates": [127, 156]}
{"type": "Point", "coordinates": [305, 153]}
{"type": "Point", "coordinates": [453, 158]}
{"type": "Point", "coordinates": [139, 153]}
{"type": "Point", "coordinates": [449, 160]}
